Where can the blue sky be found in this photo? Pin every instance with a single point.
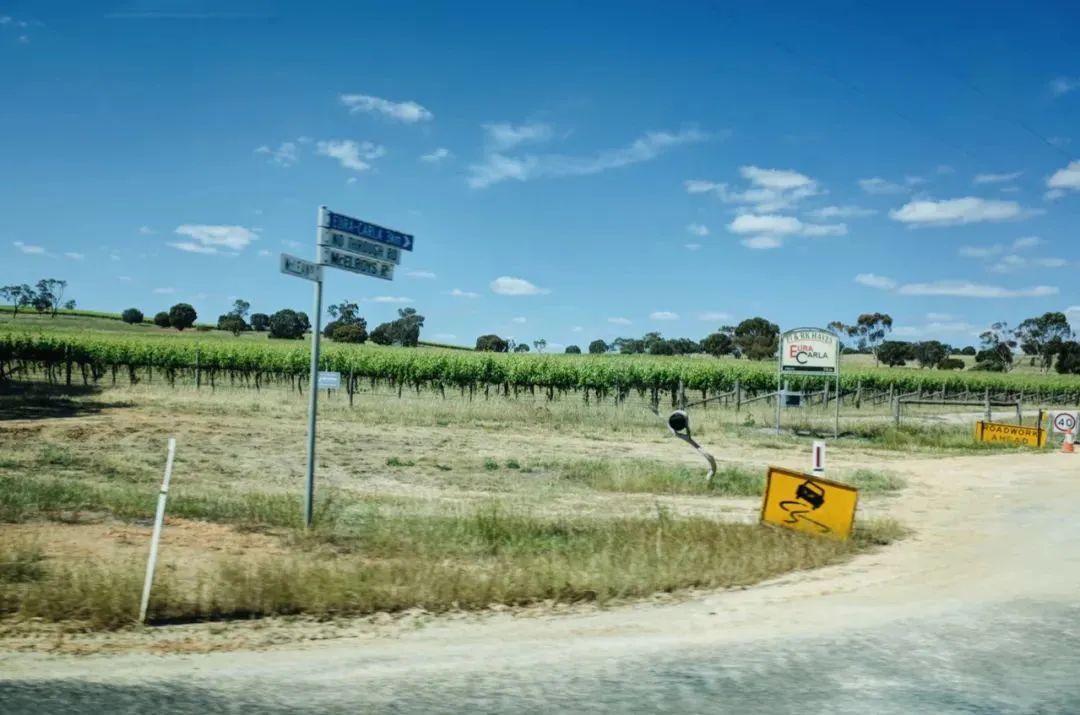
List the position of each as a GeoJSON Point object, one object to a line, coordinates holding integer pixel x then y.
{"type": "Point", "coordinates": [570, 170]}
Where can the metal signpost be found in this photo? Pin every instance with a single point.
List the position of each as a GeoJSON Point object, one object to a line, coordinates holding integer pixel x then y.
{"type": "Point", "coordinates": [352, 245]}
{"type": "Point", "coordinates": [809, 351]}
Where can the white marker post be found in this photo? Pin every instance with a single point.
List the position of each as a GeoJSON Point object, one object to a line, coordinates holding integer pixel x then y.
{"type": "Point", "coordinates": [159, 519]}
{"type": "Point", "coordinates": [819, 459]}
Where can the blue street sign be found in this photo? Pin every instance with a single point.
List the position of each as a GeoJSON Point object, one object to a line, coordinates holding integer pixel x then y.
{"type": "Point", "coordinates": [363, 229]}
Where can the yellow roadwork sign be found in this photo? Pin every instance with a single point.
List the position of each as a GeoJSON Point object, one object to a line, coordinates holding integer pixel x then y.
{"type": "Point", "coordinates": [1010, 434]}
{"type": "Point", "coordinates": [806, 503]}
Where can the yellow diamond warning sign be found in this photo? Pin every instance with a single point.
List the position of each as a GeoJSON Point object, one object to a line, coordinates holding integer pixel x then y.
{"type": "Point", "coordinates": [806, 503]}
{"type": "Point", "coordinates": [1010, 434]}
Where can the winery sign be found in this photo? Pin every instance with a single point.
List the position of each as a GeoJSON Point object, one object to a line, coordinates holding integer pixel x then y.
{"type": "Point", "coordinates": [809, 350]}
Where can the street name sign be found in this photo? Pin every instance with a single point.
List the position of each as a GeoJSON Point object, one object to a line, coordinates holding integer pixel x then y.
{"type": "Point", "coordinates": [803, 502]}
{"type": "Point", "coordinates": [336, 258]}
{"type": "Point", "coordinates": [364, 229]}
{"type": "Point", "coordinates": [293, 266]}
{"type": "Point", "coordinates": [1010, 434]}
{"type": "Point", "coordinates": [329, 380]}
{"type": "Point", "coordinates": [809, 350]}
{"type": "Point", "coordinates": [1064, 422]}
{"type": "Point", "coordinates": [362, 246]}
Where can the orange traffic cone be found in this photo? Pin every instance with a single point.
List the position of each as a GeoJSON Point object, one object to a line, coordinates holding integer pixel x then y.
{"type": "Point", "coordinates": [1067, 445]}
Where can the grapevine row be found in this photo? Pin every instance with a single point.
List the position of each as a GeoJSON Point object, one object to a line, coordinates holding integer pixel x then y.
{"type": "Point", "coordinates": [440, 369]}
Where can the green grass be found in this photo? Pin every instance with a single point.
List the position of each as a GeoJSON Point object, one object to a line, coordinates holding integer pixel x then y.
{"type": "Point", "coordinates": [642, 476]}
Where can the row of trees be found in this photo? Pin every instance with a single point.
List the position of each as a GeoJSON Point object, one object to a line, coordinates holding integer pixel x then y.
{"type": "Point", "coordinates": [47, 296]}
{"type": "Point", "coordinates": [348, 326]}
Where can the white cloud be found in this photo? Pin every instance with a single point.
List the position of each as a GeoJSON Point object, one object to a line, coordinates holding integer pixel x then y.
{"type": "Point", "coordinates": [501, 136]}
{"type": "Point", "coordinates": [713, 316]}
{"type": "Point", "coordinates": [212, 238]}
{"type": "Point", "coordinates": [769, 190]}
{"type": "Point", "coordinates": [285, 155]}
{"type": "Point", "coordinates": [953, 288]}
{"type": "Point", "coordinates": [164, 291]}
{"type": "Point", "coordinates": [351, 180]}
{"type": "Point", "coordinates": [967, 289]}
{"type": "Point", "coordinates": [980, 251]}
{"type": "Point", "coordinates": [1059, 141]}
{"type": "Point", "coordinates": [408, 112]}
{"type": "Point", "coordinates": [24, 39]}
{"type": "Point", "coordinates": [952, 212]}
{"type": "Point", "coordinates": [935, 328]}
{"type": "Point", "coordinates": [458, 293]}
{"type": "Point", "coordinates": [1063, 85]}
{"type": "Point", "coordinates": [506, 285]}
{"type": "Point", "coordinates": [943, 169]}
{"type": "Point", "coordinates": [619, 321]}
{"type": "Point", "coordinates": [291, 244]}
{"type": "Point", "coordinates": [577, 329]}
{"type": "Point", "coordinates": [437, 156]}
{"type": "Point", "coordinates": [692, 246]}
{"type": "Point", "coordinates": [997, 178]}
{"type": "Point", "coordinates": [766, 224]}
{"type": "Point", "coordinates": [388, 299]}
{"type": "Point", "coordinates": [146, 230]}
{"type": "Point", "coordinates": [841, 212]}
{"type": "Point", "coordinates": [879, 186]}
{"type": "Point", "coordinates": [1067, 179]}
{"type": "Point", "coordinates": [914, 180]}
{"type": "Point", "coordinates": [420, 274]}
{"type": "Point", "coordinates": [264, 252]}
{"type": "Point", "coordinates": [1027, 242]}
{"type": "Point", "coordinates": [5, 19]}
{"type": "Point", "coordinates": [697, 229]}
{"type": "Point", "coordinates": [663, 315]}
{"type": "Point", "coordinates": [74, 256]}
{"type": "Point", "coordinates": [872, 280]}
{"type": "Point", "coordinates": [780, 179]}
{"type": "Point", "coordinates": [351, 155]}
{"type": "Point", "coordinates": [759, 243]}
{"type": "Point", "coordinates": [29, 248]}
{"type": "Point", "coordinates": [498, 167]}
{"type": "Point", "coordinates": [940, 317]}
{"type": "Point", "coordinates": [1053, 194]}
{"type": "Point", "coordinates": [192, 247]}
{"type": "Point", "coordinates": [833, 229]}
{"type": "Point", "coordinates": [519, 320]}
{"type": "Point", "coordinates": [1014, 262]}
{"type": "Point", "coordinates": [124, 278]}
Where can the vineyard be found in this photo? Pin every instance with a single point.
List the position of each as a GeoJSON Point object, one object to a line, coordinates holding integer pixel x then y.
{"type": "Point", "coordinates": [64, 358]}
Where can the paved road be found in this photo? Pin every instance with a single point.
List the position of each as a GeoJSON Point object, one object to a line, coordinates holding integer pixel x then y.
{"type": "Point", "coordinates": [978, 613]}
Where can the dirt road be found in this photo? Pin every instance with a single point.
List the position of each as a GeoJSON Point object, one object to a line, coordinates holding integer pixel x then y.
{"type": "Point", "coordinates": [978, 612]}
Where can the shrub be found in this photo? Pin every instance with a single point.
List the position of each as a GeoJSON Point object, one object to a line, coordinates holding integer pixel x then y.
{"type": "Point", "coordinates": [951, 364]}
{"type": "Point", "coordinates": [161, 319]}
{"type": "Point", "coordinates": [286, 325]}
{"type": "Point", "coordinates": [260, 322]}
{"type": "Point", "coordinates": [182, 315]}
{"type": "Point", "coordinates": [231, 322]}
{"type": "Point", "coordinates": [132, 316]}
{"type": "Point", "coordinates": [598, 347]}
{"type": "Point", "coordinates": [383, 334]}
{"type": "Point", "coordinates": [491, 344]}
{"type": "Point", "coordinates": [349, 333]}
{"type": "Point", "coordinates": [573, 350]}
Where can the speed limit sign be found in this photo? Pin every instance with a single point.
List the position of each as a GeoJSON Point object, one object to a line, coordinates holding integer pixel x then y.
{"type": "Point", "coordinates": [1064, 422]}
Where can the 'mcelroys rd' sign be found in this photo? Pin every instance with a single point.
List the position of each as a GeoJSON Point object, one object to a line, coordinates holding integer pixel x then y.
{"type": "Point", "coordinates": [809, 350]}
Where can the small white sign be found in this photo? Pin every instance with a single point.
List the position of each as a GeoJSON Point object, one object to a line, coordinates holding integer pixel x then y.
{"type": "Point", "coordinates": [293, 266]}
{"type": "Point", "coordinates": [819, 459]}
{"type": "Point", "coordinates": [1063, 422]}
{"type": "Point", "coordinates": [357, 264]}
{"type": "Point", "coordinates": [809, 350]}
{"type": "Point", "coordinates": [329, 380]}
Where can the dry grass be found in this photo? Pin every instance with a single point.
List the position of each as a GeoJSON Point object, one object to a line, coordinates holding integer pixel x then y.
{"type": "Point", "coordinates": [422, 503]}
